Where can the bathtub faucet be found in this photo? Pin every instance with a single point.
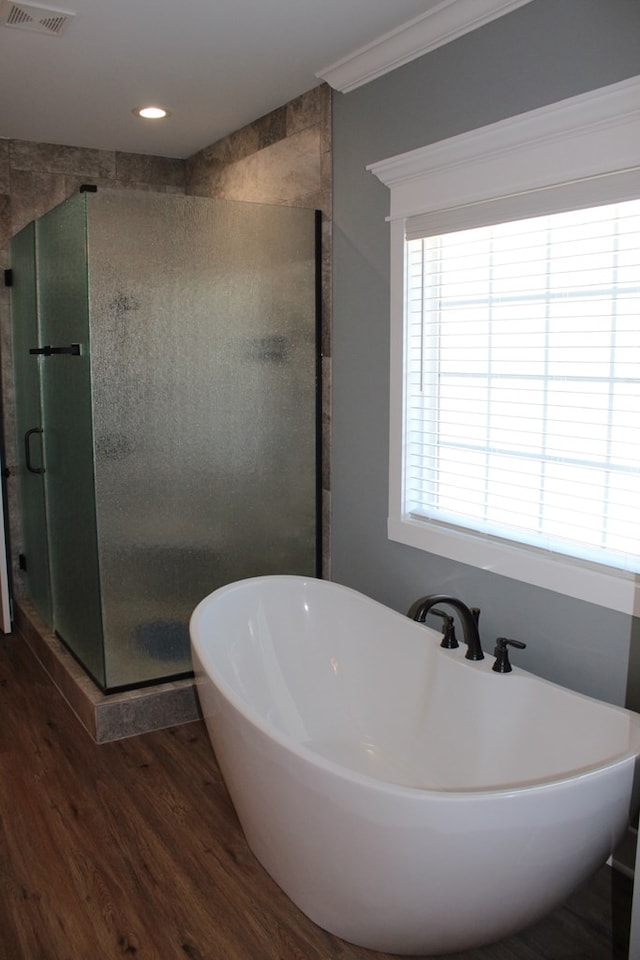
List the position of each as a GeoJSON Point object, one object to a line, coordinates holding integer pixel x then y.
{"type": "Point", "coordinates": [468, 619]}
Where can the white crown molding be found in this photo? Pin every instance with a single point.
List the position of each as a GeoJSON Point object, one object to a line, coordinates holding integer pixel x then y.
{"type": "Point", "coordinates": [440, 25]}
{"type": "Point", "coordinates": [585, 136]}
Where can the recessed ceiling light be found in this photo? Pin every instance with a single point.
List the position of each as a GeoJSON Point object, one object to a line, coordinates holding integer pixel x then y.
{"type": "Point", "coordinates": [152, 113]}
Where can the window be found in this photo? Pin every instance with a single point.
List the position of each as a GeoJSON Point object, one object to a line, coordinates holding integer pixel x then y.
{"type": "Point", "coordinates": [522, 398]}
{"type": "Point", "coordinates": [516, 348]}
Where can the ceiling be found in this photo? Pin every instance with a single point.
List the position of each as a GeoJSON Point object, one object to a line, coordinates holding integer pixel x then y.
{"type": "Point", "coordinates": [216, 64]}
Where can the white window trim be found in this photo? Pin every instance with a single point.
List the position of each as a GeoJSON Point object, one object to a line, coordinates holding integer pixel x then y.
{"type": "Point", "coordinates": [589, 136]}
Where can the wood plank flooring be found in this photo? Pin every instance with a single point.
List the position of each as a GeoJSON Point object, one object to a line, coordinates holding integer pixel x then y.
{"type": "Point", "coordinates": [132, 849]}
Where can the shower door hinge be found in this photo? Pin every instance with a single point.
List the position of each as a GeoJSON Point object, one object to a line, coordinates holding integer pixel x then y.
{"type": "Point", "coordinates": [22, 561]}
{"type": "Point", "coordinates": [8, 277]}
{"type": "Point", "coordinates": [88, 188]}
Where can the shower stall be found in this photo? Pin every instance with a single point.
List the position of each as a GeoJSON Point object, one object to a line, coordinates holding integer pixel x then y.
{"type": "Point", "coordinates": [166, 362]}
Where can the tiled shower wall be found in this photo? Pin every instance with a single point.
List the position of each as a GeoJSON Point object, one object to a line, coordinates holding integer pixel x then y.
{"type": "Point", "coordinates": [283, 158]}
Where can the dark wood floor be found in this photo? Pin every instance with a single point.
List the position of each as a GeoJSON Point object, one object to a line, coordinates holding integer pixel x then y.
{"type": "Point", "coordinates": [132, 849]}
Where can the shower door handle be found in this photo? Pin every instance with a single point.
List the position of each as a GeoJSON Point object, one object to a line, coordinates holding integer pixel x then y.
{"type": "Point", "coordinates": [73, 349]}
{"type": "Point", "coordinates": [27, 450]}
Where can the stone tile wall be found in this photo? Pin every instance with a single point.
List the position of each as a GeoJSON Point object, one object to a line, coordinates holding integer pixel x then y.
{"type": "Point", "coordinates": [34, 178]}
{"type": "Point", "coordinates": [283, 158]}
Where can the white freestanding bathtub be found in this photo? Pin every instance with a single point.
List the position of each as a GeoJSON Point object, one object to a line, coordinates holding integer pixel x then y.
{"type": "Point", "coordinates": [405, 798]}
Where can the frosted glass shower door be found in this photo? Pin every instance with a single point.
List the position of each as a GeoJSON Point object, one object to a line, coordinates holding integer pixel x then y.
{"type": "Point", "coordinates": [203, 330]}
{"type": "Point", "coordinates": [29, 451]}
{"type": "Point", "coordinates": [68, 435]}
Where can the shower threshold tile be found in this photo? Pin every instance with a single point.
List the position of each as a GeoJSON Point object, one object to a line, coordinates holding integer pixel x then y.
{"type": "Point", "coordinates": [112, 716]}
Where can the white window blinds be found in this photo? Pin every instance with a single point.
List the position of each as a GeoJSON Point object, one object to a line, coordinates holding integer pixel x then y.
{"type": "Point", "coordinates": [522, 380]}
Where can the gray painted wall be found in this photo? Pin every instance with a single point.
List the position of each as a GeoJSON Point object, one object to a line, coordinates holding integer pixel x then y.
{"type": "Point", "coordinates": [543, 52]}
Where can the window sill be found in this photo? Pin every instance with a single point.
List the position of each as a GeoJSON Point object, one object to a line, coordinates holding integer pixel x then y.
{"type": "Point", "coordinates": [604, 586]}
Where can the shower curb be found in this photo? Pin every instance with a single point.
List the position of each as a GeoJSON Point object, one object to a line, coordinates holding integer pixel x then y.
{"type": "Point", "coordinates": [105, 717]}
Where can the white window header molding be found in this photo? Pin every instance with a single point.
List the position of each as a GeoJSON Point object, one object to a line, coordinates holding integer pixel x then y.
{"type": "Point", "coordinates": [442, 23]}
{"type": "Point", "coordinates": [586, 136]}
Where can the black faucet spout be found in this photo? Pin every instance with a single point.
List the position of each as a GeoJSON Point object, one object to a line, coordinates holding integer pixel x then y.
{"type": "Point", "coordinates": [469, 622]}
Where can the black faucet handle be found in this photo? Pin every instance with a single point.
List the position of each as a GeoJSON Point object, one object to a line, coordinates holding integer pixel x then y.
{"type": "Point", "coordinates": [449, 639]}
{"type": "Point", "coordinates": [501, 653]}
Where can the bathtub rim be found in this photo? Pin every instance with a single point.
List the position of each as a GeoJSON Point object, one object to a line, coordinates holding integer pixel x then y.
{"type": "Point", "coordinates": [330, 766]}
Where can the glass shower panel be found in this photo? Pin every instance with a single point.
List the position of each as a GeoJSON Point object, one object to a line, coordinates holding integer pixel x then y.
{"type": "Point", "coordinates": [204, 384]}
{"type": "Point", "coordinates": [68, 442]}
{"type": "Point", "coordinates": [24, 335]}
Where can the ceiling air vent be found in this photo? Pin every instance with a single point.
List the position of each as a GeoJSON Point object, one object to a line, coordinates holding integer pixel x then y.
{"type": "Point", "coordinates": [27, 16]}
